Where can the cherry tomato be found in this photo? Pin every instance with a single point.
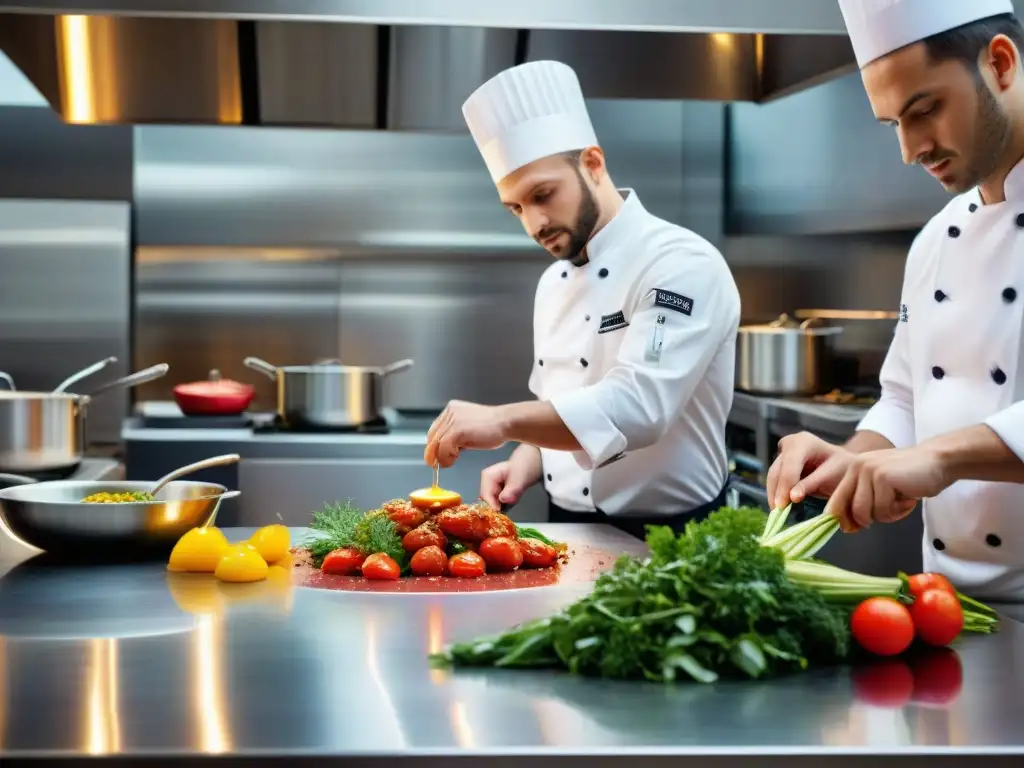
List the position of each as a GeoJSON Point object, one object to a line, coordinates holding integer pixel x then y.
{"type": "Point", "coordinates": [537, 554]}
{"type": "Point", "coordinates": [381, 567]}
{"type": "Point", "coordinates": [938, 677]}
{"type": "Point", "coordinates": [922, 582]}
{"type": "Point", "coordinates": [343, 561]}
{"type": "Point", "coordinates": [501, 553]}
{"type": "Point", "coordinates": [884, 683]}
{"type": "Point", "coordinates": [429, 561]}
{"type": "Point", "coordinates": [467, 565]}
{"type": "Point", "coordinates": [475, 522]}
{"type": "Point", "coordinates": [426, 535]}
{"type": "Point", "coordinates": [404, 515]}
{"type": "Point", "coordinates": [938, 617]}
{"type": "Point", "coordinates": [883, 626]}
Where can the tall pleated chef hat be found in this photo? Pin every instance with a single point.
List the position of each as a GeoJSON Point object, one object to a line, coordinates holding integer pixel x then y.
{"type": "Point", "coordinates": [879, 27]}
{"type": "Point", "coordinates": [526, 113]}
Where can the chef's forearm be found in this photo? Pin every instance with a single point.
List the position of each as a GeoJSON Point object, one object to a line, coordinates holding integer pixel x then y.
{"type": "Point", "coordinates": [976, 453]}
{"type": "Point", "coordinates": [525, 459]}
{"type": "Point", "coordinates": [865, 440]}
{"type": "Point", "coordinates": [538, 424]}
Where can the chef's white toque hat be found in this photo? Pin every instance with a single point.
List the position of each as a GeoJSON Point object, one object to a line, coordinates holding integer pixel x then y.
{"type": "Point", "coordinates": [879, 27]}
{"type": "Point", "coordinates": [528, 112]}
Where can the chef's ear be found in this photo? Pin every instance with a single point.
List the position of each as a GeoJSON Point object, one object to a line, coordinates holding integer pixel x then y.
{"type": "Point", "coordinates": [592, 163]}
{"type": "Point", "coordinates": [1003, 59]}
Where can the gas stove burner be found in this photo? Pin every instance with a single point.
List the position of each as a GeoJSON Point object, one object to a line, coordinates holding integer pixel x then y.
{"type": "Point", "coordinates": [858, 396]}
{"type": "Point", "coordinates": [276, 426]}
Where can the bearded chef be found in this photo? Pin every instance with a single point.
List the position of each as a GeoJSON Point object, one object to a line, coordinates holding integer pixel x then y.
{"type": "Point", "coordinates": [949, 428]}
{"type": "Point", "coordinates": [634, 328]}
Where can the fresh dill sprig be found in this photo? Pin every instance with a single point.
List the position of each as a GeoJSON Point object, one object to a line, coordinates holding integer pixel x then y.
{"type": "Point", "coordinates": [342, 524]}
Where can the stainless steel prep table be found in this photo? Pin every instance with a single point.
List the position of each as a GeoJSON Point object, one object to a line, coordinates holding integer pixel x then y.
{"type": "Point", "coordinates": [102, 660]}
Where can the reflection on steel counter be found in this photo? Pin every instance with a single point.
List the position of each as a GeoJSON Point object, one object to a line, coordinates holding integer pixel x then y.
{"type": "Point", "coordinates": [221, 659]}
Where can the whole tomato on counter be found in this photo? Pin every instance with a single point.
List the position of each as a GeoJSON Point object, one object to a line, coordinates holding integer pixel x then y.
{"type": "Point", "coordinates": [922, 582]}
{"type": "Point", "coordinates": [381, 567]}
{"type": "Point", "coordinates": [938, 617]}
{"type": "Point", "coordinates": [883, 626]}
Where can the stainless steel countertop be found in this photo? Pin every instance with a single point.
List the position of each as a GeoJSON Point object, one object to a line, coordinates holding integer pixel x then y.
{"type": "Point", "coordinates": [118, 660]}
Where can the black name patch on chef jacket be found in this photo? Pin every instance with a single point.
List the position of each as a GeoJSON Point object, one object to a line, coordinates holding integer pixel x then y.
{"type": "Point", "coordinates": [673, 301]}
{"type": "Point", "coordinates": [612, 322]}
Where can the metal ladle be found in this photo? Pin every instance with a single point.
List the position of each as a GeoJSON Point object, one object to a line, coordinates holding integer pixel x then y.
{"type": "Point", "coordinates": [216, 461]}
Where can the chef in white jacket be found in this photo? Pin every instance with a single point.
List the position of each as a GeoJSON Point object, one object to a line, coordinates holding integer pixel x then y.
{"type": "Point", "coordinates": [634, 328]}
{"type": "Point", "coordinates": [949, 427]}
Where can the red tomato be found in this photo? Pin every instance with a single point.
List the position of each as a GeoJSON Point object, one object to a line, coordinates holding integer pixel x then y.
{"type": "Point", "coordinates": [467, 565]}
{"type": "Point", "coordinates": [501, 553]}
{"type": "Point", "coordinates": [404, 515]}
{"type": "Point", "coordinates": [938, 617]}
{"type": "Point", "coordinates": [342, 561]}
{"type": "Point", "coordinates": [537, 554]}
{"type": "Point", "coordinates": [426, 535]}
{"type": "Point", "coordinates": [938, 677]}
{"type": "Point", "coordinates": [429, 561]}
{"type": "Point", "coordinates": [884, 683]}
{"type": "Point", "coordinates": [381, 567]}
{"type": "Point", "coordinates": [882, 626]}
{"type": "Point", "coordinates": [922, 582]}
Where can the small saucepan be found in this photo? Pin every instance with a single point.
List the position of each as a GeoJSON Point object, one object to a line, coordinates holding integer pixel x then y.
{"type": "Point", "coordinates": [215, 396]}
{"type": "Point", "coordinates": [327, 394]}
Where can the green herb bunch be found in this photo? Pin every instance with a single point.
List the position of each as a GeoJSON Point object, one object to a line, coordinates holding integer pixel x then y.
{"type": "Point", "coordinates": [344, 525]}
{"type": "Point", "coordinates": [707, 604]}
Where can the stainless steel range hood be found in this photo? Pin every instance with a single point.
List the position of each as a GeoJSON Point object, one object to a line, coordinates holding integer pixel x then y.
{"type": "Point", "coordinates": [401, 64]}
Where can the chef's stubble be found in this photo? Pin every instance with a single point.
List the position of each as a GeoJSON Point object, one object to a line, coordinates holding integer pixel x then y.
{"type": "Point", "coordinates": [585, 224]}
{"type": "Point", "coordinates": [993, 133]}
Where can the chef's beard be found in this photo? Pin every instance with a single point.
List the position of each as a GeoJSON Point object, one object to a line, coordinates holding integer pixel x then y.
{"type": "Point", "coordinates": [992, 140]}
{"type": "Point", "coordinates": [581, 231]}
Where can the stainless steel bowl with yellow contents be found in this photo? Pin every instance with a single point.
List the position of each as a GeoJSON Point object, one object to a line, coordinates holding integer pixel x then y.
{"type": "Point", "coordinates": [53, 516]}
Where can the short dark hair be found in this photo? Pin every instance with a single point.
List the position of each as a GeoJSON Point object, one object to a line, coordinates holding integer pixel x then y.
{"type": "Point", "coordinates": [966, 43]}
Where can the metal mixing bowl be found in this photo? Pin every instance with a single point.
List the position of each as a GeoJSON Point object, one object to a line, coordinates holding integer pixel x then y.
{"type": "Point", "coordinates": [52, 516]}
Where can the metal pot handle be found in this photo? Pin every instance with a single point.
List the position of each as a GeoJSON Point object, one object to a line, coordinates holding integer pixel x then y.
{"type": "Point", "coordinates": [401, 365]}
{"type": "Point", "coordinates": [262, 366]}
{"type": "Point", "coordinates": [6, 379]}
{"type": "Point", "coordinates": [17, 479]}
{"type": "Point", "coordinates": [74, 378]}
{"type": "Point", "coordinates": [139, 377]}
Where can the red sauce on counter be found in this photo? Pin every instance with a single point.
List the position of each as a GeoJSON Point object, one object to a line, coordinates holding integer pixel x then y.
{"type": "Point", "coordinates": [584, 565]}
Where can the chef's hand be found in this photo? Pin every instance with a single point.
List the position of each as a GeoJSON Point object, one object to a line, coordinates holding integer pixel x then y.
{"type": "Point", "coordinates": [806, 466]}
{"type": "Point", "coordinates": [464, 425]}
{"type": "Point", "coordinates": [507, 481]}
{"type": "Point", "coordinates": [884, 486]}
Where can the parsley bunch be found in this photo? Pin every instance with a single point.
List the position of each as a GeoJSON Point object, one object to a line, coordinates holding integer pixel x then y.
{"type": "Point", "coordinates": [344, 525]}
{"type": "Point", "coordinates": [710, 603]}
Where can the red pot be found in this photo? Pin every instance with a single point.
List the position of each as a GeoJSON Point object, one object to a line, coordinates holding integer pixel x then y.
{"type": "Point", "coordinates": [216, 396]}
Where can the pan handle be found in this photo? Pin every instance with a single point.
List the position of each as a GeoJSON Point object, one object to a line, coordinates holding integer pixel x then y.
{"type": "Point", "coordinates": [17, 479]}
{"type": "Point", "coordinates": [6, 379]}
{"type": "Point", "coordinates": [401, 365]}
{"type": "Point", "coordinates": [139, 377]}
{"type": "Point", "coordinates": [262, 366]}
{"type": "Point", "coordinates": [84, 373]}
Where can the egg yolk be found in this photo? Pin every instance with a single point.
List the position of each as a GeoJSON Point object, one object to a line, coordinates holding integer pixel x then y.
{"type": "Point", "coordinates": [434, 498]}
{"type": "Point", "coordinates": [272, 542]}
{"type": "Point", "coordinates": [241, 563]}
{"type": "Point", "coordinates": [198, 551]}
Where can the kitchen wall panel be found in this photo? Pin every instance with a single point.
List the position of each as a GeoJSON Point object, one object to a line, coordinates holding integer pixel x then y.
{"type": "Point", "coordinates": [64, 298]}
{"type": "Point", "coordinates": [818, 162]}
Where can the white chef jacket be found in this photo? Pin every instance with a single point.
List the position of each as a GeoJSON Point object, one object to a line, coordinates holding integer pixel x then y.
{"type": "Point", "coordinates": [955, 362]}
{"type": "Point", "coordinates": [635, 350]}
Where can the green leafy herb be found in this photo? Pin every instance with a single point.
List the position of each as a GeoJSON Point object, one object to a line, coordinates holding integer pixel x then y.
{"type": "Point", "coordinates": [344, 525]}
{"type": "Point", "coordinates": [532, 533]}
{"type": "Point", "coordinates": [707, 604]}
